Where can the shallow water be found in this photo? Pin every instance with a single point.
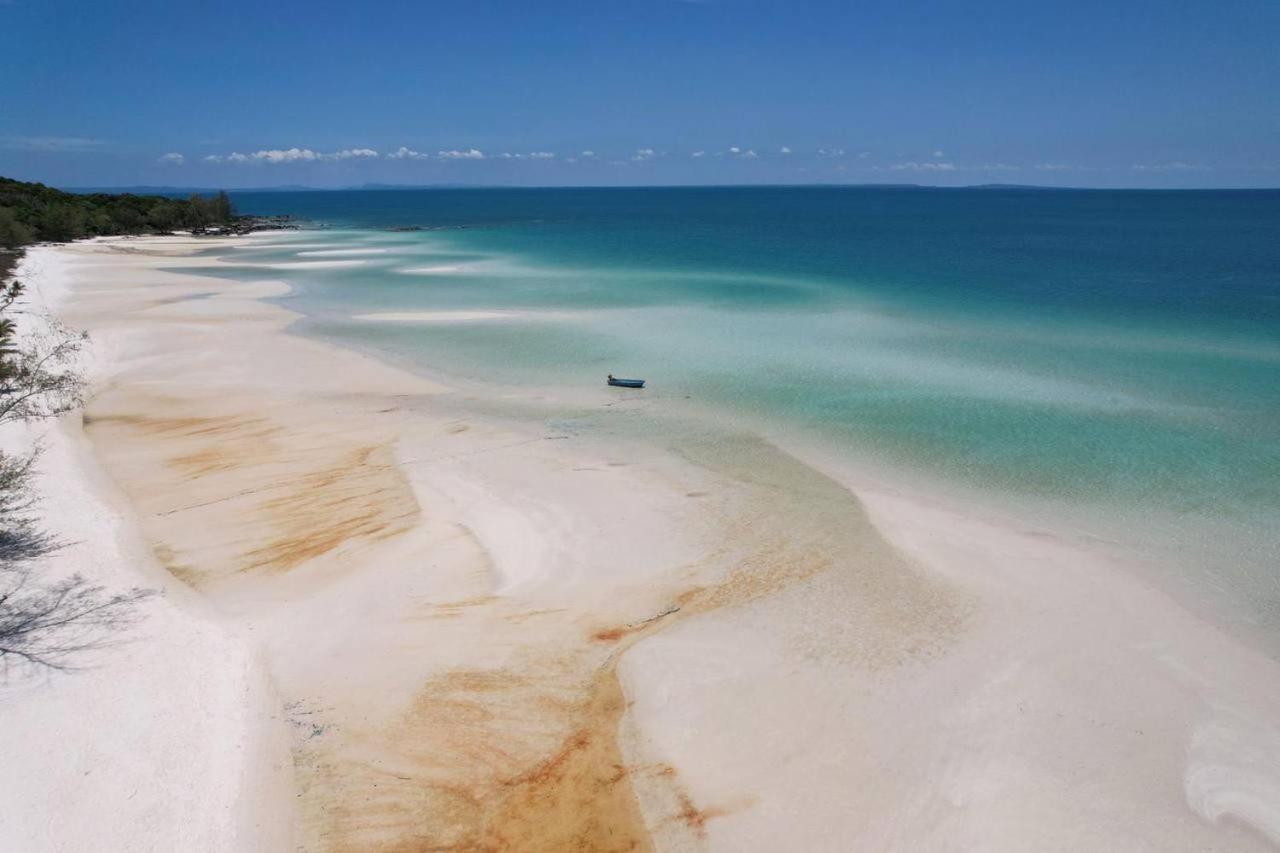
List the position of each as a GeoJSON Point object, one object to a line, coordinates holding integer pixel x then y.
{"type": "Point", "coordinates": [1105, 361]}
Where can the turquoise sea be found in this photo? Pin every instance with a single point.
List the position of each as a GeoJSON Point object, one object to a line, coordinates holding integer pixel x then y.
{"type": "Point", "coordinates": [1106, 363]}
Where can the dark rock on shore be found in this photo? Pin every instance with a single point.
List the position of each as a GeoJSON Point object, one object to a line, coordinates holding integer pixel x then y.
{"type": "Point", "coordinates": [247, 225]}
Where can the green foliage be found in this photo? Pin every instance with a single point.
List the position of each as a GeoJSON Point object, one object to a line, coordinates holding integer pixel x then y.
{"type": "Point", "coordinates": [33, 212]}
{"type": "Point", "coordinates": [12, 232]}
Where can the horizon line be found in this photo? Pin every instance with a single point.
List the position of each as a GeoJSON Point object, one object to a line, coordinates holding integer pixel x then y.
{"type": "Point", "coordinates": [381, 187]}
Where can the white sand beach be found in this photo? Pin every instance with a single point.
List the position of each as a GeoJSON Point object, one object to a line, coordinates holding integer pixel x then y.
{"type": "Point", "coordinates": [389, 626]}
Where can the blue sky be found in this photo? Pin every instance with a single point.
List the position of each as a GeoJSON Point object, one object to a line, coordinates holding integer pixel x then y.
{"type": "Point", "coordinates": [1143, 94]}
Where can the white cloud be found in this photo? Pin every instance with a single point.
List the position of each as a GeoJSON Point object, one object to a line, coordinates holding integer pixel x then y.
{"type": "Point", "coordinates": [588, 153]}
{"type": "Point", "coordinates": [571, 159]}
{"type": "Point", "coordinates": [735, 150]}
{"type": "Point", "coordinates": [830, 152]}
{"type": "Point", "coordinates": [997, 167]}
{"type": "Point", "coordinates": [939, 154]}
{"type": "Point", "coordinates": [351, 154]}
{"type": "Point", "coordinates": [1053, 167]}
{"type": "Point", "coordinates": [862, 155]}
{"type": "Point", "coordinates": [698, 154]}
{"type": "Point", "coordinates": [287, 155]}
{"type": "Point", "coordinates": [923, 167]}
{"type": "Point", "coordinates": [749, 155]}
{"type": "Point", "coordinates": [403, 153]}
{"type": "Point", "coordinates": [469, 154]}
{"type": "Point", "coordinates": [173, 158]}
{"type": "Point", "coordinates": [644, 154]}
{"type": "Point", "coordinates": [542, 155]}
{"type": "Point", "coordinates": [784, 150]}
{"type": "Point", "coordinates": [301, 155]}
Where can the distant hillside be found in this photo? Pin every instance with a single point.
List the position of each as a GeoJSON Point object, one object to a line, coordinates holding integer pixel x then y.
{"type": "Point", "coordinates": [184, 191]}
{"type": "Point", "coordinates": [276, 188]}
{"type": "Point", "coordinates": [32, 213]}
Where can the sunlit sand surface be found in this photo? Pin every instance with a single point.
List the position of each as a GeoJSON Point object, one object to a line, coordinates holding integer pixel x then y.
{"type": "Point", "coordinates": [483, 633]}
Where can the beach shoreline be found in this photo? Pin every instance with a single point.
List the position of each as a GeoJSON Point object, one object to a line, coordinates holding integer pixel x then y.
{"type": "Point", "coordinates": [467, 645]}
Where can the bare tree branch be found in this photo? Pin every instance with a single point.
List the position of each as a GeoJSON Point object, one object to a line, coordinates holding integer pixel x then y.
{"type": "Point", "coordinates": [43, 625]}
{"type": "Point", "coordinates": [38, 378]}
{"type": "Point", "coordinates": [47, 626]}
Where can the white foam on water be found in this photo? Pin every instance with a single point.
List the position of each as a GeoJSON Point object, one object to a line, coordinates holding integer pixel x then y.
{"type": "Point", "coordinates": [450, 317]}
{"type": "Point", "coordinates": [265, 245]}
{"type": "Point", "coordinates": [442, 269]}
{"type": "Point", "coordinates": [341, 252]}
{"type": "Point", "coordinates": [309, 265]}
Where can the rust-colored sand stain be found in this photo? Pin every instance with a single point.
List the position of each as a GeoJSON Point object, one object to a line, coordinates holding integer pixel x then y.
{"type": "Point", "coordinates": [189, 426]}
{"type": "Point", "coordinates": [181, 571]}
{"type": "Point", "coordinates": [250, 440]}
{"type": "Point", "coordinates": [280, 499]}
{"type": "Point", "coordinates": [485, 761]}
{"type": "Point", "coordinates": [695, 818]}
{"type": "Point", "coordinates": [580, 798]}
{"type": "Point", "coordinates": [325, 508]}
{"type": "Point", "coordinates": [809, 532]}
{"type": "Point", "coordinates": [523, 758]}
{"type": "Point", "coordinates": [456, 609]}
{"type": "Point", "coordinates": [540, 613]}
{"type": "Point", "coordinates": [631, 629]}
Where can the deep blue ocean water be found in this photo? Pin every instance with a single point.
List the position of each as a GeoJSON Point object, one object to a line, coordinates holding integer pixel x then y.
{"type": "Point", "coordinates": [1112, 355]}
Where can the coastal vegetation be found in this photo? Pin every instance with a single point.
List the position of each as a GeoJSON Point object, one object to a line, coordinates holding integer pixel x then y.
{"type": "Point", "coordinates": [33, 213]}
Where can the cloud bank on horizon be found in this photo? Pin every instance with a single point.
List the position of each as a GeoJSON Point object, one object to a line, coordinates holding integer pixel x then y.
{"type": "Point", "coordinates": [834, 163]}
{"type": "Point", "coordinates": [295, 155]}
{"type": "Point", "coordinates": [291, 155]}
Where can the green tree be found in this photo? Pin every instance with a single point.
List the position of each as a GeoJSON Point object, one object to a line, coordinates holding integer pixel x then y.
{"type": "Point", "coordinates": [60, 221]}
{"type": "Point", "coordinates": [30, 212]}
{"type": "Point", "coordinates": [199, 212]}
{"type": "Point", "coordinates": [164, 216]}
{"type": "Point", "coordinates": [223, 210]}
{"type": "Point", "coordinates": [12, 232]}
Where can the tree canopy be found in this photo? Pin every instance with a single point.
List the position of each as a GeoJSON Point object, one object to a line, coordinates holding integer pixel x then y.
{"type": "Point", "coordinates": [34, 212]}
